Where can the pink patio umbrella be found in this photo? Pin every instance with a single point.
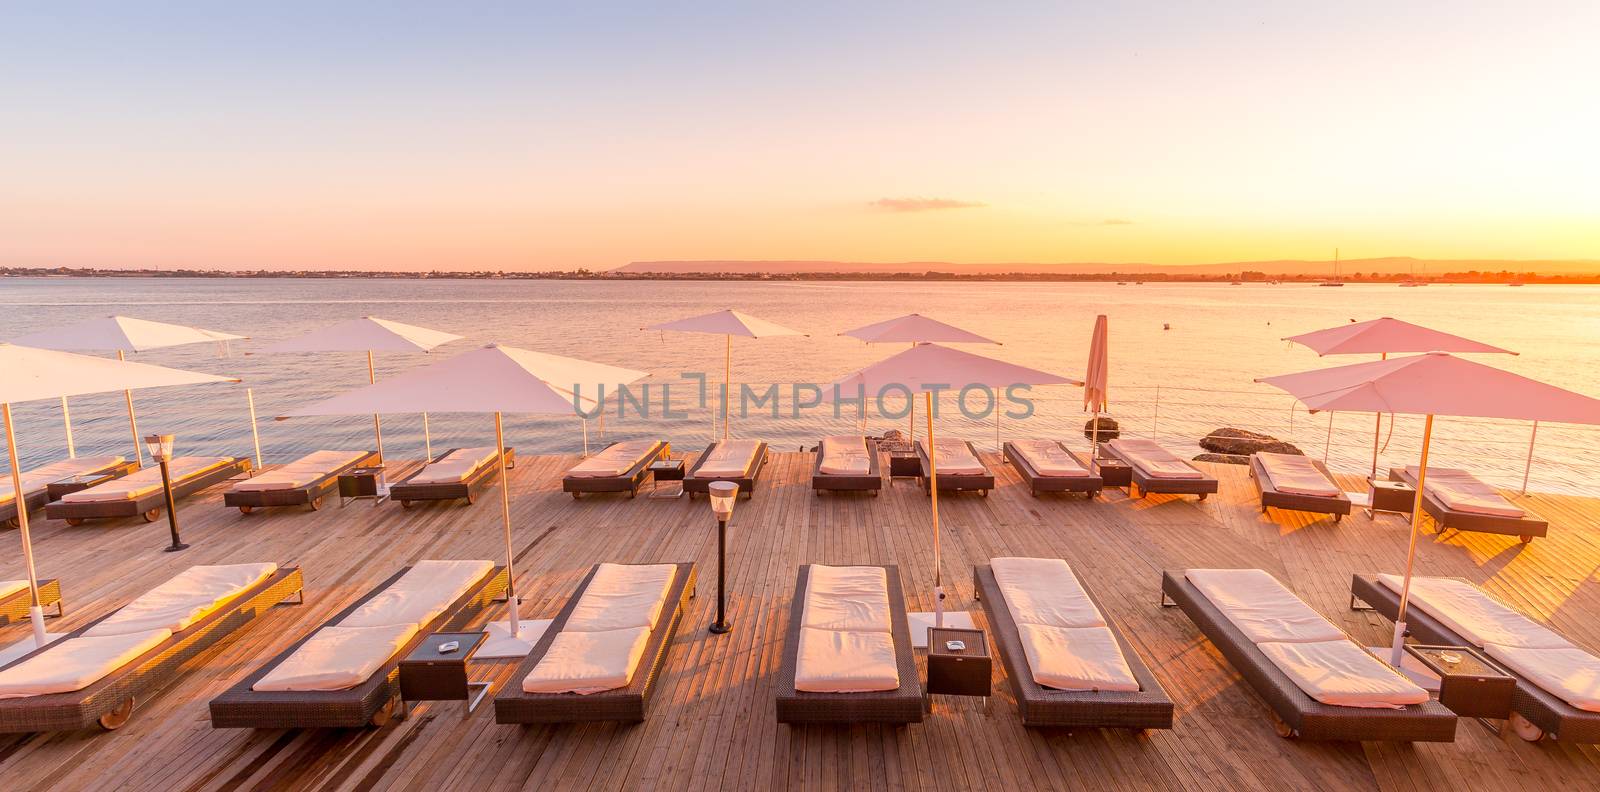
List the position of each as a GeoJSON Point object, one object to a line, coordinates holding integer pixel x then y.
{"type": "Point", "coordinates": [1429, 385]}
{"type": "Point", "coordinates": [915, 329]}
{"type": "Point", "coordinates": [728, 323]}
{"type": "Point", "coordinates": [1383, 337]}
{"type": "Point", "coordinates": [1095, 378]}
{"type": "Point", "coordinates": [930, 368]}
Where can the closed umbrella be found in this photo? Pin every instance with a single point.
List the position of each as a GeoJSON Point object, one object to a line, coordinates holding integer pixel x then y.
{"type": "Point", "coordinates": [121, 334]}
{"type": "Point", "coordinates": [930, 368]}
{"type": "Point", "coordinates": [915, 329]}
{"type": "Point", "coordinates": [728, 324]}
{"type": "Point", "coordinates": [37, 374]}
{"type": "Point", "coordinates": [493, 379]}
{"type": "Point", "coordinates": [1094, 379]}
{"type": "Point", "coordinates": [370, 334]}
{"type": "Point", "coordinates": [1432, 385]}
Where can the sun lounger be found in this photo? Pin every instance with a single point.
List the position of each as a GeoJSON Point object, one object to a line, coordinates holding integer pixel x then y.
{"type": "Point", "coordinates": [960, 468]}
{"type": "Point", "coordinates": [15, 599]}
{"type": "Point", "coordinates": [847, 656]}
{"type": "Point", "coordinates": [305, 481]}
{"type": "Point", "coordinates": [1298, 661]}
{"type": "Point", "coordinates": [611, 645]}
{"type": "Point", "coordinates": [454, 474]}
{"type": "Point", "coordinates": [1455, 612]}
{"type": "Point", "coordinates": [739, 461]}
{"type": "Point", "coordinates": [36, 483]}
{"type": "Point", "coordinates": [1144, 706]}
{"type": "Point", "coordinates": [141, 493]}
{"type": "Point", "coordinates": [1156, 470]}
{"type": "Point", "coordinates": [1297, 483]}
{"type": "Point", "coordinates": [847, 464]}
{"type": "Point", "coordinates": [1458, 500]}
{"type": "Point", "coordinates": [620, 467]}
{"type": "Point", "coordinates": [348, 675]}
{"type": "Point", "coordinates": [1049, 466]}
{"type": "Point", "coordinates": [101, 670]}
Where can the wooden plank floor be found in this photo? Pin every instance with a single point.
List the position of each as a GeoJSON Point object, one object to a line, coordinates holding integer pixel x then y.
{"type": "Point", "coordinates": [712, 725]}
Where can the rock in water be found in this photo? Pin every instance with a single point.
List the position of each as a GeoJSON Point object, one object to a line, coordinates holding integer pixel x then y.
{"type": "Point", "coordinates": [1228, 459]}
{"type": "Point", "coordinates": [1109, 428]}
{"type": "Point", "coordinates": [1240, 442]}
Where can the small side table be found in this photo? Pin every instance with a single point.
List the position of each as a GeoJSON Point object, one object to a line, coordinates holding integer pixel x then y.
{"type": "Point", "coordinates": [358, 483]}
{"type": "Point", "coordinates": [904, 464]}
{"type": "Point", "coordinates": [60, 488]}
{"type": "Point", "coordinates": [968, 671]}
{"type": "Point", "coordinates": [429, 675]}
{"type": "Point", "coordinates": [1390, 497]}
{"type": "Point", "coordinates": [1472, 686]}
{"type": "Point", "coordinates": [1113, 473]}
{"type": "Point", "coordinates": [666, 470]}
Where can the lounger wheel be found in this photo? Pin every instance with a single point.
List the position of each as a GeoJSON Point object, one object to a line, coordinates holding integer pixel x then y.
{"type": "Point", "coordinates": [1202, 496]}
{"type": "Point", "coordinates": [1524, 728]}
{"type": "Point", "coordinates": [315, 503]}
{"type": "Point", "coordinates": [152, 515]}
{"type": "Point", "coordinates": [12, 523]}
{"type": "Point", "coordinates": [74, 521]}
{"type": "Point", "coordinates": [577, 495]}
{"type": "Point", "coordinates": [469, 499]}
{"type": "Point", "coordinates": [1338, 517]}
{"type": "Point", "coordinates": [405, 504]}
{"type": "Point", "coordinates": [246, 509]}
{"type": "Point", "coordinates": [384, 713]}
{"type": "Point", "coordinates": [118, 715]}
{"type": "Point", "coordinates": [1283, 729]}
{"type": "Point", "coordinates": [1525, 538]}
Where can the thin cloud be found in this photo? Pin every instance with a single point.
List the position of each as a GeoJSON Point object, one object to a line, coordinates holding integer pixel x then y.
{"type": "Point", "coordinates": [923, 204]}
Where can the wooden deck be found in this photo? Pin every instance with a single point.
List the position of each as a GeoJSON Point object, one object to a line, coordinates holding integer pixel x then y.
{"type": "Point", "coordinates": [712, 726]}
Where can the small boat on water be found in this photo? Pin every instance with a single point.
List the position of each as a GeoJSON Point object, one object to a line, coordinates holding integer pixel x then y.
{"type": "Point", "coordinates": [1412, 283]}
{"type": "Point", "coordinates": [1515, 283]}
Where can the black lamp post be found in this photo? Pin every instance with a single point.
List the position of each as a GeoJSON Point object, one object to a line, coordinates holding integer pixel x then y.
{"type": "Point", "coordinates": [161, 450]}
{"type": "Point", "coordinates": [723, 495]}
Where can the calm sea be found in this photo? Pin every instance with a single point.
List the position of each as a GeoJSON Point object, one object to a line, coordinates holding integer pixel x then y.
{"type": "Point", "coordinates": [1173, 384]}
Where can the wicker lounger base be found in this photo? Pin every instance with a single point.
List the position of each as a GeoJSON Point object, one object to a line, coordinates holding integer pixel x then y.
{"type": "Point", "coordinates": [1549, 713]}
{"type": "Point", "coordinates": [695, 484]}
{"type": "Point", "coordinates": [15, 607]}
{"type": "Point", "coordinates": [628, 704]}
{"type": "Point", "coordinates": [110, 702]}
{"type": "Point", "coordinates": [956, 482]}
{"type": "Point", "coordinates": [1272, 497]}
{"type": "Point", "coordinates": [1145, 484]}
{"type": "Point", "coordinates": [149, 506]}
{"type": "Point", "coordinates": [629, 482]}
{"type": "Point", "coordinates": [310, 495]}
{"type": "Point", "coordinates": [1037, 482]}
{"type": "Point", "coordinates": [902, 705]}
{"type": "Point", "coordinates": [1147, 708]}
{"type": "Point", "coordinates": [1299, 715]}
{"type": "Point", "coordinates": [409, 494]}
{"type": "Point", "coordinates": [38, 498]}
{"type": "Point", "coordinates": [870, 481]}
{"type": "Point", "coordinates": [1524, 528]}
{"type": "Point", "coordinates": [369, 703]}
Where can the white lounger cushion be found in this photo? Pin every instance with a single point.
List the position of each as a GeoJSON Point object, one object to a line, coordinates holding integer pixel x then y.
{"type": "Point", "coordinates": [729, 458]}
{"type": "Point", "coordinates": [847, 598]}
{"type": "Point", "coordinates": [76, 663]}
{"type": "Point", "coordinates": [1340, 673]}
{"type": "Point", "coordinates": [1461, 491]}
{"type": "Point", "coordinates": [40, 477]}
{"type": "Point", "coordinates": [622, 596]}
{"type": "Point", "coordinates": [953, 456]}
{"type": "Point", "coordinates": [1567, 672]}
{"type": "Point", "coordinates": [337, 658]}
{"type": "Point", "coordinates": [845, 661]}
{"type": "Point", "coordinates": [1261, 607]}
{"type": "Point", "coordinates": [300, 473]}
{"type": "Point", "coordinates": [588, 662]}
{"type": "Point", "coordinates": [1474, 615]}
{"type": "Point", "coordinates": [1044, 591]}
{"type": "Point", "coordinates": [420, 595]}
{"type": "Point", "coordinates": [1048, 458]}
{"type": "Point", "coordinates": [186, 598]}
{"type": "Point", "coordinates": [456, 466]}
{"type": "Point", "coordinates": [1076, 658]}
{"type": "Point", "coordinates": [146, 481]}
{"type": "Point", "coordinates": [844, 455]}
{"type": "Point", "coordinates": [615, 460]}
{"type": "Point", "coordinates": [9, 587]}
{"type": "Point", "coordinates": [1152, 459]}
{"type": "Point", "coordinates": [1296, 475]}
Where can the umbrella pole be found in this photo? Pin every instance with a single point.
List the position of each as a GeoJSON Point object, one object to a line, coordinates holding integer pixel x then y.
{"type": "Point", "coordinates": [505, 518]}
{"type": "Point", "coordinates": [427, 437]}
{"type": "Point", "coordinates": [35, 612]}
{"type": "Point", "coordinates": [911, 406]}
{"type": "Point", "coordinates": [72, 451]}
{"type": "Point", "coordinates": [1094, 440]}
{"type": "Point", "coordinates": [727, 383]}
{"type": "Point", "coordinates": [1411, 554]}
{"type": "Point", "coordinates": [133, 423]}
{"type": "Point", "coordinates": [250, 397]}
{"type": "Point", "coordinates": [1526, 469]}
{"type": "Point", "coordinates": [1327, 441]}
{"type": "Point", "coordinates": [933, 492]}
{"type": "Point", "coordinates": [1377, 431]}
{"type": "Point", "coordinates": [377, 425]}
{"type": "Point", "coordinates": [585, 422]}
{"type": "Point", "coordinates": [997, 445]}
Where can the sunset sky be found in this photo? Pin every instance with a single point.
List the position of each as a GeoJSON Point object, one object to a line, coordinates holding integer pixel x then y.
{"type": "Point", "coordinates": [422, 135]}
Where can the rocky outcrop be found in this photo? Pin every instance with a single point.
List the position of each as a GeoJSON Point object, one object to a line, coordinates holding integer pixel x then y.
{"type": "Point", "coordinates": [1226, 459]}
{"type": "Point", "coordinates": [1243, 443]}
{"type": "Point", "coordinates": [1109, 428]}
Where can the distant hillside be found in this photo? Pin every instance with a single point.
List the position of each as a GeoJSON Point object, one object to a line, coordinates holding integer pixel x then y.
{"type": "Point", "coordinates": [1395, 265]}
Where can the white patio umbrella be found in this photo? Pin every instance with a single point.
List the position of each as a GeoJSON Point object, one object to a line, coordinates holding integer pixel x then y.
{"type": "Point", "coordinates": [1383, 337]}
{"type": "Point", "coordinates": [1429, 385]}
{"type": "Point", "coordinates": [370, 334]}
{"type": "Point", "coordinates": [492, 379]}
{"type": "Point", "coordinates": [930, 368]}
{"type": "Point", "coordinates": [581, 377]}
{"type": "Point", "coordinates": [916, 329]}
{"type": "Point", "coordinates": [1095, 379]}
{"type": "Point", "coordinates": [728, 324]}
{"type": "Point", "coordinates": [120, 334]}
{"type": "Point", "coordinates": [37, 374]}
